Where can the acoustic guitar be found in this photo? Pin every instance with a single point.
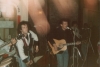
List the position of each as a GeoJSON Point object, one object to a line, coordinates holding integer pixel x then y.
{"type": "Point", "coordinates": [61, 45]}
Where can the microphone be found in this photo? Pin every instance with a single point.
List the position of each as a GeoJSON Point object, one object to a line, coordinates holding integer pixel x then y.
{"type": "Point", "coordinates": [68, 28]}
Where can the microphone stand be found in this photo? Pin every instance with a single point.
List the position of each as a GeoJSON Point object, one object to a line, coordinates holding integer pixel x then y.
{"type": "Point", "coordinates": [78, 52]}
{"type": "Point", "coordinates": [89, 43]}
{"type": "Point", "coordinates": [73, 65]}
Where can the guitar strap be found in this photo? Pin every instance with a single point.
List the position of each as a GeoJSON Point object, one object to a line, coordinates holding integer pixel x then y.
{"type": "Point", "coordinates": [28, 49]}
{"type": "Point", "coordinates": [25, 44]}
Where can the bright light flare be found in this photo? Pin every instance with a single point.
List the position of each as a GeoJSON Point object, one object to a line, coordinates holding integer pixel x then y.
{"type": "Point", "coordinates": [7, 8]}
{"type": "Point", "coordinates": [38, 17]}
{"type": "Point", "coordinates": [91, 5]}
{"type": "Point", "coordinates": [42, 2]}
{"type": "Point", "coordinates": [40, 12]}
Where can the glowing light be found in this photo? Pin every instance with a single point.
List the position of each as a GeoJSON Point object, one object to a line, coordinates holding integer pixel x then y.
{"type": "Point", "coordinates": [3, 9]}
{"type": "Point", "coordinates": [38, 17]}
{"type": "Point", "coordinates": [91, 5]}
{"type": "Point", "coordinates": [42, 2]}
{"type": "Point", "coordinates": [40, 12]}
{"type": "Point", "coordinates": [7, 7]}
{"type": "Point", "coordinates": [16, 2]}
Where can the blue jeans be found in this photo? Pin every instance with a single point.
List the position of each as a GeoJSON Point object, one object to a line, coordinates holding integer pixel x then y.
{"type": "Point", "coordinates": [20, 62]}
{"type": "Point", "coordinates": [62, 59]}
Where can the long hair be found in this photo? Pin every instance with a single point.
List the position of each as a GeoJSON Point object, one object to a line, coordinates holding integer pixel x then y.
{"type": "Point", "coordinates": [20, 26]}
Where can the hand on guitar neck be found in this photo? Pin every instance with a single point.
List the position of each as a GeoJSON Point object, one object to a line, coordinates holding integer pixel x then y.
{"type": "Point", "coordinates": [13, 41]}
{"type": "Point", "coordinates": [78, 43]}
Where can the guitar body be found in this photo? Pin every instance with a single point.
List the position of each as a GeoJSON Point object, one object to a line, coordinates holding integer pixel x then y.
{"type": "Point", "coordinates": [60, 43]}
{"type": "Point", "coordinates": [60, 46]}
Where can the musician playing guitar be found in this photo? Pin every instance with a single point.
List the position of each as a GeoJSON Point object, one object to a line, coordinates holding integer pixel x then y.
{"type": "Point", "coordinates": [5, 48]}
{"type": "Point", "coordinates": [58, 40]}
{"type": "Point", "coordinates": [25, 45]}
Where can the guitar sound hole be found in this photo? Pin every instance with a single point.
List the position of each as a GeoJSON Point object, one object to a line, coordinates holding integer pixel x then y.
{"type": "Point", "coordinates": [61, 46]}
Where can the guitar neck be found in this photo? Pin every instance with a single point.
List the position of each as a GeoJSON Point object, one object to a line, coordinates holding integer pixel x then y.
{"type": "Point", "coordinates": [4, 44]}
{"type": "Point", "coordinates": [68, 44]}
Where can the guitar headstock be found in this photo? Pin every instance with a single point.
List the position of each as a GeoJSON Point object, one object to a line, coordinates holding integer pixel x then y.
{"type": "Point", "coordinates": [20, 36]}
